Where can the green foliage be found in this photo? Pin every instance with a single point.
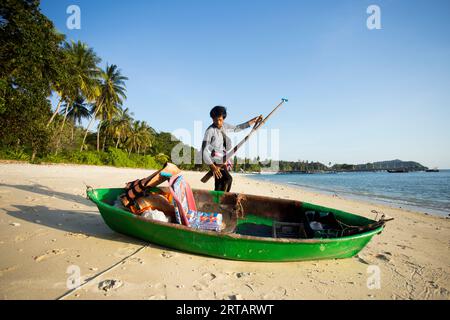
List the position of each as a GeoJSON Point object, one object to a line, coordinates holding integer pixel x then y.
{"type": "Point", "coordinates": [147, 162]}
{"type": "Point", "coordinates": [162, 158]}
{"type": "Point", "coordinates": [113, 157]}
{"type": "Point", "coordinates": [31, 60]}
{"type": "Point", "coordinates": [10, 154]}
{"type": "Point", "coordinates": [119, 158]}
{"type": "Point", "coordinates": [87, 157]}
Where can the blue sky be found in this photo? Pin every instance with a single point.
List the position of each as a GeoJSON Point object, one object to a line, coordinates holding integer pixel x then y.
{"type": "Point", "coordinates": [355, 95]}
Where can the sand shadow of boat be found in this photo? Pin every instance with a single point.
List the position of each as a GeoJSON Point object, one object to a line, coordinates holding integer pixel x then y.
{"type": "Point", "coordinates": [45, 191]}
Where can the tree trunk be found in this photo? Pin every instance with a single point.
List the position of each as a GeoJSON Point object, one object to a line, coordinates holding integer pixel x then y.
{"type": "Point", "coordinates": [118, 139]}
{"type": "Point", "coordinates": [87, 130]}
{"type": "Point", "coordinates": [73, 127]}
{"type": "Point", "coordinates": [98, 136]}
{"type": "Point", "coordinates": [104, 141]}
{"type": "Point", "coordinates": [62, 128]}
{"type": "Point", "coordinates": [56, 111]}
{"type": "Point", "coordinates": [33, 155]}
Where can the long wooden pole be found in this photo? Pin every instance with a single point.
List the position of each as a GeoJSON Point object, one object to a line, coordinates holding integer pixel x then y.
{"type": "Point", "coordinates": [231, 153]}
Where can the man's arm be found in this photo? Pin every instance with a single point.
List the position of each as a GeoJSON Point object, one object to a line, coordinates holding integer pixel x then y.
{"type": "Point", "coordinates": [239, 127]}
{"type": "Point", "coordinates": [242, 126]}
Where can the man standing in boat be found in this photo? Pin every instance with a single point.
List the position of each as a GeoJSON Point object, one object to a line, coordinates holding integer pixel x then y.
{"type": "Point", "coordinates": [216, 143]}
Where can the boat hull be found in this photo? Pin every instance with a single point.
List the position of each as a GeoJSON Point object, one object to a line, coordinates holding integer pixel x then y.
{"type": "Point", "coordinates": [225, 245]}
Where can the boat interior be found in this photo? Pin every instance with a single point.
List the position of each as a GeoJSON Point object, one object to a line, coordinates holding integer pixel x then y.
{"type": "Point", "coordinates": [252, 215]}
{"type": "Point", "coordinates": [259, 216]}
{"type": "Point", "coordinates": [280, 218]}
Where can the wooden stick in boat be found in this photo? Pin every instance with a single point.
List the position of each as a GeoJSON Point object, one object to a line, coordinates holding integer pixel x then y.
{"type": "Point", "coordinates": [257, 125]}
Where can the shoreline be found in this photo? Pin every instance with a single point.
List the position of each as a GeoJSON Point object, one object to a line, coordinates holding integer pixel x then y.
{"type": "Point", "coordinates": [47, 226]}
{"type": "Point", "coordinates": [370, 199]}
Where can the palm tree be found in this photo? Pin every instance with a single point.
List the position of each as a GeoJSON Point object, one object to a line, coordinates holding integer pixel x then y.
{"type": "Point", "coordinates": [122, 124]}
{"type": "Point", "coordinates": [146, 136]}
{"type": "Point", "coordinates": [107, 128]}
{"type": "Point", "coordinates": [82, 77]}
{"type": "Point", "coordinates": [78, 76]}
{"type": "Point", "coordinates": [86, 72]}
{"type": "Point", "coordinates": [71, 91]}
{"type": "Point", "coordinates": [134, 136]}
{"type": "Point", "coordinates": [77, 112]}
{"type": "Point", "coordinates": [162, 158]}
{"type": "Point", "coordinates": [64, 84]}
{"type": "Point", "coordinates": [109, 98]}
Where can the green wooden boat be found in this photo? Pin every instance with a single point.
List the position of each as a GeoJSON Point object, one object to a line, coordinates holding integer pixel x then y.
{"type": "Point", "coordinates": [257, 228]}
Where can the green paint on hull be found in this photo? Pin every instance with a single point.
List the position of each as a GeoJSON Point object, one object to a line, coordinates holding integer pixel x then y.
{"type": "Point", "coordinates": [230, 246]}
{"type": "Point", "coordinates": [216, 195]}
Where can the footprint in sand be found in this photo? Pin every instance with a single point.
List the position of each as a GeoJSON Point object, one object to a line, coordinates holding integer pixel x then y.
{"type": "Point", "coordinates": [383, 257]}
{"type": "Point", "coordinates": [110, 284]}
{"type": "Point", "coordinates": [243, 274]}
{"type": "Point", "coordinates": [168, 255]}
{"type": "Point", "coordinates": [76, 235]}
{"type": "Point", "coordinates": [49, 254]}
{"type": "Point", "coordinates": [208, 276]}
{"type": "Point", "coordinates": [204, 282]}
{"type": "Point", "coordinates": [197, 287]}
{"type": "Point", "coordinates": [444, 292]}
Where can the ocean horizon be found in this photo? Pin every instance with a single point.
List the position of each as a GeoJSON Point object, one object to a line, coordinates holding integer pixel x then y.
{"type": "Point", "coordinates": [425, 192]}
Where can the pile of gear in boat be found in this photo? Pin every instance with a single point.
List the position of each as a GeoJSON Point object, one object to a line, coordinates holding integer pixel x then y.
{"type": "Point", "coordinates": [177, 204]}
{"type": "Point", "coordinates": [315, 224]}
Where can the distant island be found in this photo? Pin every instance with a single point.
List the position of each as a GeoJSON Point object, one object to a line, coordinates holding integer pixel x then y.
{"type": "Point", "coordinates": [317, 167]}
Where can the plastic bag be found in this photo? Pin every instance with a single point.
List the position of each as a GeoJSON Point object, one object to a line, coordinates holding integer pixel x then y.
{"type": "Point", "coordinates": [155, 215]}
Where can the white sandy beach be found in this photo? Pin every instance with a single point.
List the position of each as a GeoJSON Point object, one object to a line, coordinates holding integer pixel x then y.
{"type": "Point", "coordinates": [47, 225]}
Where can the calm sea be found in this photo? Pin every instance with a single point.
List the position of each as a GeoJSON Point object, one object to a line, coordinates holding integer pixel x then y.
{"type": "Point", "coordinates": [420, 191]}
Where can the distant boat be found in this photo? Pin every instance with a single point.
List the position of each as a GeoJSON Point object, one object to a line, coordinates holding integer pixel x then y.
{"type": "Point", "coordinates": [398, 171]}
{"type": "Point", "coordinates": [269, 172]}
{"type": "Point", "coordinates": [432, 170]}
